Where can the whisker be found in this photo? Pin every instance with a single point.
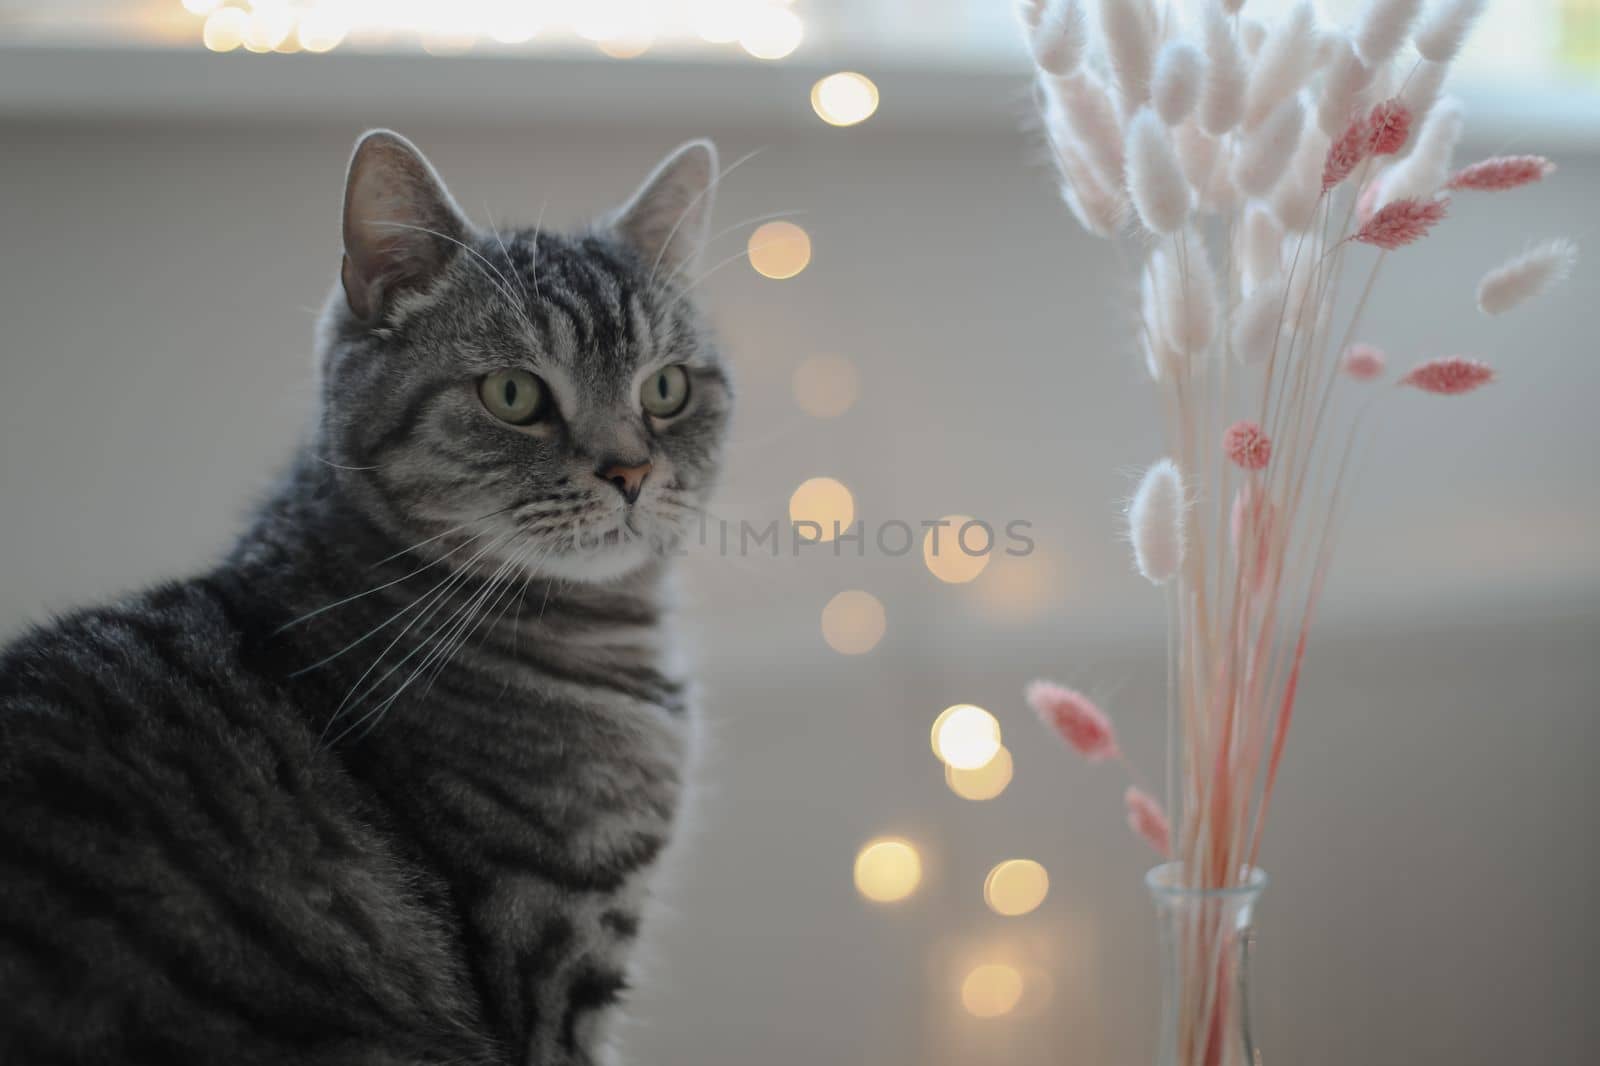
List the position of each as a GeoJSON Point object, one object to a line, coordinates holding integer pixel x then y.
{"type": "Point", "coordinates": [491, 271]}
{"type": "Point", "coordinates": [444, 591]}
{"type": "Point", "coordinates": [713, 184]}
{"type": "Point", "coordinates": [341, 466]}
{"type": "Point", "coordinates": [494, 229]}
{"type": "Point", "coordinates": [436, 642]}
{"type": "Point", "coordinates": [379, 588]}
{"type": "Point", "coordinates": [439, 536]}
{"type": "Point", "coordinates": [538, 229]}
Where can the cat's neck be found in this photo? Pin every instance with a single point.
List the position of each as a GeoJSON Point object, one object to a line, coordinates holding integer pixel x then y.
{"type": "Point", "coordinates": [313, 549]}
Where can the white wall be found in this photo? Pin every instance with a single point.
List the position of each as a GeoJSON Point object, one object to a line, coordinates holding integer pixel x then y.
{"type": "Point", "coordinates": [1433, 851]}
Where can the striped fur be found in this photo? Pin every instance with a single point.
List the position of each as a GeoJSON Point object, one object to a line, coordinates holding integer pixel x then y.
{"type": "Point", "coordinates": [387, 786]}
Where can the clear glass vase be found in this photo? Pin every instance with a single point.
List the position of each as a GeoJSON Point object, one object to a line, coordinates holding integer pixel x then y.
{"type": "Point", "coordinates": [1206, 939]}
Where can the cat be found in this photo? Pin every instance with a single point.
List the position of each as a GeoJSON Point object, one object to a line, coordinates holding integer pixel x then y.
{"type": "Point", "coordinates": [389, 785]}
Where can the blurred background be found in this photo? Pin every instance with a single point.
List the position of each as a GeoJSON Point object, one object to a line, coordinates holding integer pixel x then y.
{"type": "Point", "coordinates": [936, 338]}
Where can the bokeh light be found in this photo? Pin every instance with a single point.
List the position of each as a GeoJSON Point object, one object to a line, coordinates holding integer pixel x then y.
{"type": "Point", "coordinates": [845, 98]}
{"type": "Point", "coordinates": [965, 736]}
{"type": "Point", "coordinates": [1016, 887]}
{"type": "Point", "coordinates": [888, 870]}
{"type": "Point", "coordinates": [853, 622]}
{"type": "Point", "coordinates": [514, 27]}
{"type": "Point", "coordinates": [627, 47]}
{"type": "Point", "coordinates": [991, 990]}
{"type": "Point", "coordinates": [224, 29]}
{"type": "Point", "coordinates": [779, 250]}
{"type": "Point", "coordinates": [771, 32]}
{"type": "Point", "coordinates": [984, 783]}
{"type": "Point", "coordinates": [956, 557]}
{"type": "Point", "coordinates": [1019, 588]}
{"type": "Point", "coordinates": [719, 21]}
{"type": "Point", "coordinates": [827, 503]}
{"type": "Point", "coordinates": [826, 386]}
{"type": "Point", "coordinates": [321, 32]}
{"type": "Point", "coordinates": [267, 28]}
{"type": "Point", "coordinates": [200, 7]}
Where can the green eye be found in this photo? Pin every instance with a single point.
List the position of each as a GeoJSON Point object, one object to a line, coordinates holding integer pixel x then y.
{"type": "Point", "coordinates": [514, 396]}
{"type": "Point", "coordinates": [666, 392]}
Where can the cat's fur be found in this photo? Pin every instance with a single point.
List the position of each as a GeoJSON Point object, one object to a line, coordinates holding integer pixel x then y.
{"type": "Point", "coordinates": [389, 785]}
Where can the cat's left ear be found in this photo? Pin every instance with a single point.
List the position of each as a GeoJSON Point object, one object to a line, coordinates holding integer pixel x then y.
{"type": "Point", "coordinates": [400, 226]}
{"type": "Point", "coordinates": [667, 219]}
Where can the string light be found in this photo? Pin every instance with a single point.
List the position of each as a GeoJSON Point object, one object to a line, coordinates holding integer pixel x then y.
{"type": "Point", "coordinates": [224, 29]}
{"type": "Point", "coordinates": [820, 508]}
{"type": "Point", "coordinates": [779, 250]}
{"type": "Point", "coordinates": [888, 870]}
{"type": "Point", "coordinates": [771, 33]}
{"type": "Point", "coordinates": [321, 31]}
{"type": "Point", "coordinates": [845, 98]}
{"type": "Point", "coordinates": [966, 736]}
{"type": "Point", "coordinates": [984, 783]}
{"type": "Point", "coordinates": [991, 990]}
{"type": "Point", "coordinates": [764, 29]}
{"type": "Point", "coordinates": [958, 550]}
{"type": "Point", "coordinates": [853, 622]}
{"type": "Point", "coordinates": [826, 386]}
{"type": "Point", "coordinates": [1016, 887]}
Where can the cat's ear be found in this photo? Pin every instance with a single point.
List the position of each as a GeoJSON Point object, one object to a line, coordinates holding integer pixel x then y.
{"type": "Point", "coordinates": [667, 219]}
{"type": "Point", "coordinates": [400, 226]}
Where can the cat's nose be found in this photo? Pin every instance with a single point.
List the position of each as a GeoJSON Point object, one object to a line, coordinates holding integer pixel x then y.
{"type": "Point", "coordinates": [627, 477]}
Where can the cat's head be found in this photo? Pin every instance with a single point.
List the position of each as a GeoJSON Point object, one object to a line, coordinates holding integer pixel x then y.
{"type": "Point", "coordinates": [554, 397]}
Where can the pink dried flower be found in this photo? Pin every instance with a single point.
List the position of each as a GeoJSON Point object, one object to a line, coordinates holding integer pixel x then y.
{"type": "Point", "coordinates": [1148, 820]}
{"type": "Point", "coordinates": [1450, 376]}
{"type": "Point", "coordinates": [1073, 716]}
{"type": "Point", "coordinates": [1389, 125]}
{"type": "Point", "coordinates": [1402, 222]}
{"type": "Point", "coordinates": [1502, 172]}
{"type": "Point", "coordinates": [1363, 362]}
{"type": "Point", "coordinates": [1347, 153]}
{"type": "Point", "coordinates": [1246, 445]}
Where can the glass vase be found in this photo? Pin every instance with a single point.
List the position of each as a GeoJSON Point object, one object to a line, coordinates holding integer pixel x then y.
{"type": "Point", "coordinates": [1206, 939]}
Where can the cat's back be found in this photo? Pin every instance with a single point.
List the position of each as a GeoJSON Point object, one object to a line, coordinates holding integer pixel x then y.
{"type": "Point", "coordinates": [184, 875]}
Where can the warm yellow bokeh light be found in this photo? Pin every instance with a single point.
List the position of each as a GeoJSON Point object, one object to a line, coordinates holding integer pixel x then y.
{"type": "Point", "coordinates": [853, 622]}
{"type": "Point", "coordinates": [718, 21]}
{"type": "Point", "coordinates": [1019, 588]}
{"type": "Point", "coordinates": [267, 28]}
{"type": "Point", "coordinates": [826, 386]}
{"type": "Point", "coordinates": [984, 783]}
{"type": "Point", "coordinates": [779, 250]}
{"type": "Point", "coordinates": [625, 47]}
{"type": "Point", "coordinates": [320, 32]}
{"type": "Point", "coordinates": [200, 7]}
{"type": "Point", "coordinates": [991, 990]}
{"type": "Point", "coordinates": [1016, 887]}
{"type": "Point", "coordinates": [888, 869]}
{"type": "Point", "coordinates": [845, 98]}
{"type": "Point", "coordinates": [514, 28]}
{"type": "Point", "coordinates": [827, 503]}
{"type": "Point", "coordinates": [771, 33]}
{"type": "Point", "coordinates": [224, 29]}
{"type": "Point", "coordinates": [954, 557]}
{"type": "Point", "coordinates": [966, 737]}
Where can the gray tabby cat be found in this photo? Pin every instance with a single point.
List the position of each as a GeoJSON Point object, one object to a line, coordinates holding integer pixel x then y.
{"type": "Point", "coordinates": [389, 785]}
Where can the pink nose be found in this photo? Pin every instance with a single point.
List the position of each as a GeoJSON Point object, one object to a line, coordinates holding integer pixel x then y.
{"type": "Point", "coordinates": [627, 479]}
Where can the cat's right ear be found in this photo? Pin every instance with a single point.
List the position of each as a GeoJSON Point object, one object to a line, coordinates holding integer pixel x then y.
{"type": "Point", "coordinates": [400, 226]}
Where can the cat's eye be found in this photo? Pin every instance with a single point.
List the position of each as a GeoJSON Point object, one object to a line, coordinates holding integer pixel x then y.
{"type": "Point", "coordinates": [514, 396]}
{"type": "Point", "coordinates": [666, 392]}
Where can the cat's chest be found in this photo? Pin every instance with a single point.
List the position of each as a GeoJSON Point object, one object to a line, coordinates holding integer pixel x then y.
{"type": "Point", "coordinates": [548, 815]}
